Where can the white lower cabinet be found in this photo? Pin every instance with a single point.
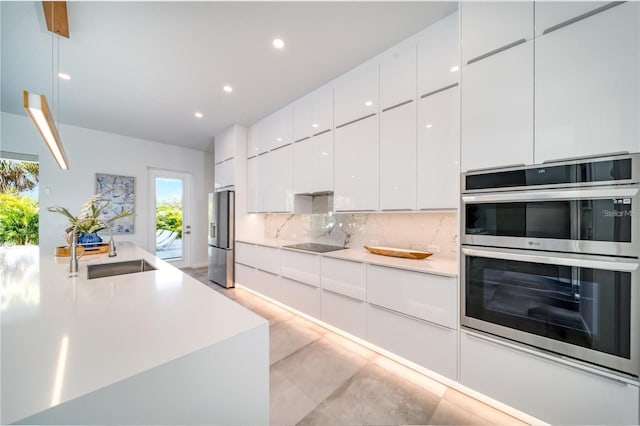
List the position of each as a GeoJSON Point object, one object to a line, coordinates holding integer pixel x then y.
{"type": "Point", "coordinates": [429, 345]}
{"type": "Point", "coordinates": [344, 312]}
{"type": "Point", "coordinates": [266, 283]}
{"type": "Point", "coordinates": [245, 275]}
{"type": "Point", "coordinates": [267, 259]}
{"type": "Point", "coordinates": [344, 277]}
{"type": "Point", "coordinates": [301, 296]}
{"type": "Point", "coordinates": [551, 391]}
{"type": "Point", "coordinates": [300, 267]}
{"type": "Point", "coordinates": [245, 253]}
{"type": "Point", "coordinates": [426, 296]}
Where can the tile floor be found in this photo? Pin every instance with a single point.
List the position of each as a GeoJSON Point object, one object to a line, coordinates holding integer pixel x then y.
{"type": "Point", "coordinates": [321, 378]}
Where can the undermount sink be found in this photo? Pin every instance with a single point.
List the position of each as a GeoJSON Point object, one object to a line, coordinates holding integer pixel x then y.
{"type": "Point", "coordinates": [102, 270]}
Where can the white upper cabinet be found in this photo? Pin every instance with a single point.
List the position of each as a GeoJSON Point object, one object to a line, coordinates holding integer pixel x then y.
{"type": "Point", "coordinates": [549, 14]}
{"type": "Point", "coordinates": [303, 167]}
{"type": "Point", "coordinates": [489, 26]}
{"type": "Point", "coordinates": [438, 56]}
{"type": "Point", "coordinates": [313, 164]}
{"type": "Point", "coordinates": [439, 150]}
{"type": "Point", "coordinates": [258, 138]}
{"type": "Point", "coordinates": [313, 113]}
{"type": "Point", "coordinates": [356, 94]}
{"type": "Point", "coordinates": [398, 74]}
{"type": "Point", "coordinates": [224, 174]}
{"type": "Point", "coordinates": [280, 127]}
{"type": "Point", "coordinates": [398, 158]}
{"type": "Point", "coordinates": [587, 86]}
{"type": "Point", "coordinates": [276, 180]}
{"type": "Point", "coordinates": [497, 110]}
{"type": "Point", "coordinates": [224, 146]}
{"type": "Point", "coordinates": [357, 166]}
{"type": "Point", "coordinates": [254, 186]}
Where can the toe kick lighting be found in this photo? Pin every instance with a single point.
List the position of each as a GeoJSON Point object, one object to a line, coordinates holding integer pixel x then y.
{"type": "Point", "coordinates": [38, 110]}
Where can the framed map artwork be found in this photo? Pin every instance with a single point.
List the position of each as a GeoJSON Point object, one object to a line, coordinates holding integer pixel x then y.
{"type": "Point", "coordinates": [120, 192]}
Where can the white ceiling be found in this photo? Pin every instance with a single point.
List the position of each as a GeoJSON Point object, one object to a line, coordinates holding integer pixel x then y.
{"type": "Point", "coordinates": [142, 69]}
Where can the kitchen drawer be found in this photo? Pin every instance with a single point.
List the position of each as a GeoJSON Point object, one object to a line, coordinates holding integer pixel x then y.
{"type": "Point", "coordinates": [426, 296]}
{"type": "Point", "coordinates": [246, 254]}
{"type": "Point", "coordinates": [551, 391]}
{"type": "Point", "coordinates": [266, 283]}
{"type": "Point", "coordinates": [303, 297]}
{"type": "Point", "coordinates": [431, 346]}
{"type": "Point", "coordinates": [344, 277]}
{"type": "Point", "coordinates": [344, 312]}
{"type": "Point", "coordinates": [267, 259]}
{"type": "Point", "coordinates": [245, 275]}
{"type": "Point", "coordinates": [301, 267]}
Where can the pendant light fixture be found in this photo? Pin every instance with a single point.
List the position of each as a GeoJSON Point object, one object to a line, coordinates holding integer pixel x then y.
{"type": "Point", "coordinates": [38, 110]}
{"type": "Point", "coordinates": [36, 105]}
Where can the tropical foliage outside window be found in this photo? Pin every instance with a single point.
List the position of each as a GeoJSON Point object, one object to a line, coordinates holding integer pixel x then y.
{"type": "Point", "coordinates": [18, 212]}
{"type": "Point", "coordinates": [169, 216]}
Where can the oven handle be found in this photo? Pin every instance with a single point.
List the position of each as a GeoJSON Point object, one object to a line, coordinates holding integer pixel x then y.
{"type": "Point", "coordinates": [614, 265]}
{"type": "Point", "coordinates": [580, 194]}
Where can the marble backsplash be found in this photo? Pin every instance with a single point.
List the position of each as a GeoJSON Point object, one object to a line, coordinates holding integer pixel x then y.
{"type": "Point", "coordinates": [416, 231]}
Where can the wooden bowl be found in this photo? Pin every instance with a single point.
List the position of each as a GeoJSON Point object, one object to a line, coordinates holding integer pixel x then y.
{"type": "Point", "coordinates": [396, 252]}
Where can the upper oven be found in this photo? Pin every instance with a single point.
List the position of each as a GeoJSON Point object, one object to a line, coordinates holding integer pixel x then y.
{"type": "Point", "coordinates": [579, 206]}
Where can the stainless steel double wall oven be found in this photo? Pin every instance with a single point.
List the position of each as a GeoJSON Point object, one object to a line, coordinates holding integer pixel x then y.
{"type": "Point", "coordinates": [550, 257]}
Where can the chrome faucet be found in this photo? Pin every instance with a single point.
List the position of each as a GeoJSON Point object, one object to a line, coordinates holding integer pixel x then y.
{"type": "Point", "coordinates": [73, 262]}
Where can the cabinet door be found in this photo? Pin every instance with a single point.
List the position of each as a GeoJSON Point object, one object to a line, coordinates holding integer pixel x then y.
{"type": "Point", "coordinates": [277, 178]}
{"type": "Point", "coordinates": [224, 145]}
{"type": "Point", "coordinates": [303, 166]}
{"type": "Point", "coordinates": [497, 112]}
{"type": "Point", "coordinates": [245, 254]}
{"type": "Point", "coordinates": [438, 56]}
{"type": "Point", "coordinates": [344, 312]}
{"type": "Point", "coordinates": [322, 110]}
{"type": "Point", "coordinates": [398, 158]}
{"type": "Point", "coordinates": [556, 393]}
{"type": "Point", "coordinates": [587, 86]}
{"type": "Point", "coordinates": [548, 14]}
{"type": "Point", "coordinates": [357, 166]}
{"type": "Point", "coordinates": [258, 138]}
{"type": "Point", "coordinates": [344, 277]}
{"type": "Point", "coordinates": [322, 162]}
{"type": "Point", "coordinates": [254, 192]}
{"type": "Point", "coordinates": [267, 259]}
{"type": "Point", "coordinates": [301, 267]}
{"type": "Point", "coordinates": [398, 74]}
{"type": "Point", "coordinates": [301, 296]}
{"type": "Point", "coordinates": [439, 150]}
{"type": "Point", "coordinates": [302, 117]}
{"type": "Point", "coordinates": [245, 275]}
{"type": "Point", "coordinates": [488, 26]}
{"type": "Point", "coordinates": [281, 127]}
{"type": "Point", "coordinates": [266, 283]}
{"type": "Point", "coordinates": [356, 94]}
{"type": "Point", "coordinates": [224, 174]}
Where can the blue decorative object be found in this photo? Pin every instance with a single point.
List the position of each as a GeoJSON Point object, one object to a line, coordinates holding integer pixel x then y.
{"type": "Point", "coordinates": [89, 239]}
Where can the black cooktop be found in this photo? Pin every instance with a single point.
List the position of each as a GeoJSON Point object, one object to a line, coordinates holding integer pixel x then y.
{"type": "Point", "coordinates": [315, 247]}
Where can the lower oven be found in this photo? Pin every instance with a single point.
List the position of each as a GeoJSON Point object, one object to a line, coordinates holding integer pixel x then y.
{"type": "Point", "coordinates": [581, 306]}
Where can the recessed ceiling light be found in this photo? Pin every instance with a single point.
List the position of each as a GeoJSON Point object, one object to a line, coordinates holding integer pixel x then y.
{"type": "Point", "coordinates": [64, 76]}
{"type": "Point", "coordinates": [278, 43]}
{"type": "Point", "coordinates": [368, 103]}
{"type": "Point", "coordinates": [228, 89]}
{"type": "Point", "coordinates": [454, 68]}
{"type": "Point", "coordinates": [198, 115]}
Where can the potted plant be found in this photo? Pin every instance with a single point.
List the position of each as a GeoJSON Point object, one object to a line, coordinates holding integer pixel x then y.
{"type": "Point", "coordinates": [88, 221]}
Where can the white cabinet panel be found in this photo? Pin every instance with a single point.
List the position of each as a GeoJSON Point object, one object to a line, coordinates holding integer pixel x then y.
{"type": "Point", "coordinates": [267, 259]}
{"type": "Point", "coordinates": [322, 109]}
{"type": "Point", "coordinates": [280, 127]}
{"type": "Point", "coordinates": [344, 312]}
{"type": "Point", "coordinates": [555, 393]}
{"type": "Point", "coordinates": [398, 158]}
{"type": "Point", "coordinates": [551, 13]}
{"type": "Point", "coordinates": [276, 180]}
{"type": "Point", "coordinates": [301, 267]}
{"type": "Point", "coordinates": [224, 145]}
{"type": "Point", "coordinates": [302, 117]}
{"type": "Point", "coordinates": [344, 277]}
{"type": "Point", "coordinates": [487, 26]}
{"type": "Point", "coordinates": [245, 253]}
{"type": "Point", "coordinates": [398, 74]}
{"type": "Point", "coordinates": [430, 297]}
{"type": "Point", "coordinates": [266, 283]}
{"type": "Point", "coordinates": [258, 138]}
{"type": "Point", "coordinates": [431, 346]}
{"type": "Point", "coordinates": [313, 164]}
{"type": "Point", "coordinates": [224, 174]}
{"type": "Point", "coordinates": [356, 93]}
{"type": "Point", "coordinates": [254, 185]}
{"type": "Point", "coordinates": [588, 87]}
{"type": "Point", "coordinates": [357, 166]}
{"type": "Point", "coordinates": [438, 167]}
{"type": "Point", "coordinates": [301, 296]}
{"type": "Point", "coordinates": [245, 275]}
{"type": "Point", "coordinates": [438, 56]}
{"type": "Point", "coordinates": [497, 112]}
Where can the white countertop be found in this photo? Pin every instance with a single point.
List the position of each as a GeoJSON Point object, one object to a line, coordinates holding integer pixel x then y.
{"type": "Point", "coordinates": [435, 264]}
{"type": "Point", "coordinates": [66, 337]}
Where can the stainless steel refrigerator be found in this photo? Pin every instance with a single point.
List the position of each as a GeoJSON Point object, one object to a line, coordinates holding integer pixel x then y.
{"type": "Point", "coordinates": [221, 238]}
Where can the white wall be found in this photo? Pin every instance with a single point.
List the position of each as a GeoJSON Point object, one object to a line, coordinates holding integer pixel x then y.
{"type": "Point", "coordinates": [90, 151]}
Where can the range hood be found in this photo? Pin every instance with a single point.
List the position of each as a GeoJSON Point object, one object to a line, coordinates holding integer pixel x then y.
{"type": "Point", "coordinates": [313, 203]}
